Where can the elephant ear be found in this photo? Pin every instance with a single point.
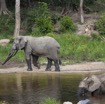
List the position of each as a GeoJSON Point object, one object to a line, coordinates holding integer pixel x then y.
{"type": "Point", "coordinates": [94, 83]}
{"type": "Point", "coordinates": [83, 83]}
{"type": "Point", "coordinates": [22, 42]}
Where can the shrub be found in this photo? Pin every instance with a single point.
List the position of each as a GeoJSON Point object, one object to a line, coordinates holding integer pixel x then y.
{"type": "Point", "coordinates": [43, 10]}
{"type": "Point", "coordinates": [6, 25]}
{"type": "Point", "coordinates": [40, 10]}
{"type": "Point", "coordinates": [43, 22]}
{"type": "Point", "coordinates": [49, 101]}
{"type": "Point", "coordinates": [67, 24]}
{"type": "Point", "coordinates": [100, 24]}
{"type": "Point", "coordinates": [43, 25]}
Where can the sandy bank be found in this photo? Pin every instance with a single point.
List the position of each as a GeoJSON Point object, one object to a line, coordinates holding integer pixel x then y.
{"type": "Point", "coordinates": [75, 68]}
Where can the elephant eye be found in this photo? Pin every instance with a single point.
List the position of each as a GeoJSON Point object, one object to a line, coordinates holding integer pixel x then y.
{"type": "Point", "coordinates": [90, 83]}
{"type": "Point", "coordinates": [20, 40]}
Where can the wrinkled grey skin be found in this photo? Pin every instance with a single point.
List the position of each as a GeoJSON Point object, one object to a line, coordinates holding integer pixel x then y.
{"type": "Point", "coordinates": [38, 46]}
{"type": "Point", "coordinates": [94, 84]}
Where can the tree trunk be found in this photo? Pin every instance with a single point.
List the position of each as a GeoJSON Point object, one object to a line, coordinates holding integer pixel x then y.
{"type": "Point", "coordinates": [17, 18]}
{"type": "Point", "coordinates": [81, 12]}
{"type": "Point", "coordinates": [3, 8]}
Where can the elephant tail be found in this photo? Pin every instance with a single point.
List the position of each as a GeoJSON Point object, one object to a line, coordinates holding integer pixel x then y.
{"type": "Point", "coordinates": [58, 51]}
{"type": "Point", "coordinates": [60, 62]}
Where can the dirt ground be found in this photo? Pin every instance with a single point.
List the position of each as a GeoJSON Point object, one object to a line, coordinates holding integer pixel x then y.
{"type": "Point", "coordinates": [74, 68]}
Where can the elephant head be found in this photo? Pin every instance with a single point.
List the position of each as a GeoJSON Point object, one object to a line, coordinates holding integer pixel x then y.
{"type": "Point", "coordinates": [89, 84]}
{"type": "Point", "coordinates": [18, 44]}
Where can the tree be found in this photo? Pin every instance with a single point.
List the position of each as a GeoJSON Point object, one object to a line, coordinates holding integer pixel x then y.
{"type": "Point", "coordinates": [81, 11]}
{"type": "Point", "coordinates": [17, 18]}
{"type": "Point", "coordinates": [3, 8]}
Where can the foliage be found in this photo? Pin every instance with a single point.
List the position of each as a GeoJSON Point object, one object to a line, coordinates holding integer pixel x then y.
{"type": "Point", "coordinates": [50, 101]}
{"type": "Point", "coordinates": [80, 48]}
{"type": "Point", "coordinates": [71, 4]}
{"type": "Point", "coordinates": [43, 10]}
{"type": "Point", "coordinates": [40, 10]}
{"type": "Point", "coordinates": [43, 19]}
{"type": "Point", "coordinates": [6, 25]}
{"type": "Point", "coordinates": [67, 24]}
{"type": "Point", "coordinates": [4, 51]}
{"type": "Point", "coordinates": [44, 25]}
{"type": "Point", "coordinates": [88, 2]}
{"type": "Point", "coordinates": [100, 24]}
{"type": "Point", "coordinates": [3, 102]}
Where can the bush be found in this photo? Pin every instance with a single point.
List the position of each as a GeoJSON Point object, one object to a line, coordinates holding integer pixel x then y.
{"type": "Point", "coordinates": [77, 48]}
{"type": "Point", "coordinates": [67, 24]}
{"type": "Point", "coordinates": [49, 101]}
{"type": "Point", "coordinates": [6, 25]}
{"type": "Point", "coordinates": [100, 25]}
{"type": "Point", "coordinates": [43, 25]}
{"type": "Point", "coordinates": [42, 20]}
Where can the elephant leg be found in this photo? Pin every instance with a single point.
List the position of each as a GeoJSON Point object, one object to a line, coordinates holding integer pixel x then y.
{"type": "Point", "coordinates": [35, 59]}
{"type": "Point", "coordinates": [56, 63]}
{"type": "Point", "coordinates": [48, 68]}
{"type": "Point", "coordinates": [28, 61]}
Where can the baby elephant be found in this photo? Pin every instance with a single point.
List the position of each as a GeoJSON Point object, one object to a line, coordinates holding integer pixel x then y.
{"type": "Point", "coordinates": [35, 47]}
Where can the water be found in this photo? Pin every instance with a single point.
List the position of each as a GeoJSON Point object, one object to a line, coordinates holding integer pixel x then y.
{"type": "Point", "coordinates": [33, 88]}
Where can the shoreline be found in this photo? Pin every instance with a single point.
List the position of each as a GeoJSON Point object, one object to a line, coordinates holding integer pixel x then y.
{"type": "Point", "coordinates": [87, 67]}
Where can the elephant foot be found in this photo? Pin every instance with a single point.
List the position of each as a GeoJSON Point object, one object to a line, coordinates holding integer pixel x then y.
{"type": "Point", "coordinates": [38, 66]}
{"type": "Point", "coordinates": [29, 69]}
{"type": "Point", "coordinates": [48, 69]}
{"type": "Point", "coordinates": [57, 70]}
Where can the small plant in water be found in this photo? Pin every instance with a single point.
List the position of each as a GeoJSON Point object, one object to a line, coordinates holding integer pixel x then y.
{"type": "Point", "coordinates": [50, 101]}
{"type": "Point", "coordinates": [3, 102]}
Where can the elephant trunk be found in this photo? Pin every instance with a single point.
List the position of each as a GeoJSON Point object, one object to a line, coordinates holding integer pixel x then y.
{"type": "Point", "coordinates": [10, 55]}
{"type": "Point", "coordinates": [82, 93]}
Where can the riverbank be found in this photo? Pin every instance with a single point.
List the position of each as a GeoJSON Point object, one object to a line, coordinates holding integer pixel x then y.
{"type": "Point", "coordinates": [74, 68]}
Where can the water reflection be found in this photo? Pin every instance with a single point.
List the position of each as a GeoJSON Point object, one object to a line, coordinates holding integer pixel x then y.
{"type": "Point", "coordinates": [98, 100]}
{"type": "Point", "coordinates": [33, 88]}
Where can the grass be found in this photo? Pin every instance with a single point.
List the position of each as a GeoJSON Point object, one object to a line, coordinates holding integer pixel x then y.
{"type": "Point", "coordinates": [81, 48]}
{"type": "Point", "coordinates": [4, 51]}
{"type": "Point", "coordinates": [45, 101]}
{"type": "Point", "coordinates": [74, 48]}
{"type": "Point", "coordinates": [50, 101]}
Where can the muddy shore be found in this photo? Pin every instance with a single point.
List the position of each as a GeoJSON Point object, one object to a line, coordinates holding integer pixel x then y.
{"type": "Point", "coordinates": [74, 68]}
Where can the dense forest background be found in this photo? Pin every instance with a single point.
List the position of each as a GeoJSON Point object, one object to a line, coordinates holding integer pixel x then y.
{"type": "Point", "coordinates": [42, 15]}
{"type": "Point", "coordinates": [78, 25]}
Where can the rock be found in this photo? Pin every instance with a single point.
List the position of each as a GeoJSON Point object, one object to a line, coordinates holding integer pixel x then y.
{"type": "Point", "coordinates": [86, 101]}
{"type": "Point", "coordinates": [67, 102]}
{"type": "Point", "coordinates": [4, 42]}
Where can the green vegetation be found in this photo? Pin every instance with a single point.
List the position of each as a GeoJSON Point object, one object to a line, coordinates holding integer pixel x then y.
{"type": "Point", "coordinates": [36, 21]}
{"type": "Point", "coordinates": [6, 25]}
{"type": "Point", "coordinates": [67, 24]}
{"type": "Point", "coordinates": [42, 20]}
{"type": "Point", "coordinates": [100, 24]}
{"type": "Point", "coordinates": [3, 102]}
{"type": "Point", "coordinates": [44, 25]}
{"type": "Point", "coordinates": [50, 101]}
{"type": "Point", "coordinates": [81, 48]}
{"type": "Point", "coordinates": [4, 51]}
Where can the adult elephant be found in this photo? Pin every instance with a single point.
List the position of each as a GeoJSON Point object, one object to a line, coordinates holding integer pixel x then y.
{"type": "Point", "coordinates": [35, 47]}
{"type": "Point", "coordinates": [95, 84]}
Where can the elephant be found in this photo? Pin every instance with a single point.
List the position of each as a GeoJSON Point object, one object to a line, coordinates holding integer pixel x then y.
{"type": "Point", "coordinates": [35, 47]}
{"type": "Point", "coordinates": [94, 84]}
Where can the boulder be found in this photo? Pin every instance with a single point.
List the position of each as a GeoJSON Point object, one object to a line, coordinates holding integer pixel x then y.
{"type": "Point", "coordinates": [86, 101]}
{"type": "Point", "coordinates": [4, 42]}
{"type": "Point", "coordinates": [67, 102]}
